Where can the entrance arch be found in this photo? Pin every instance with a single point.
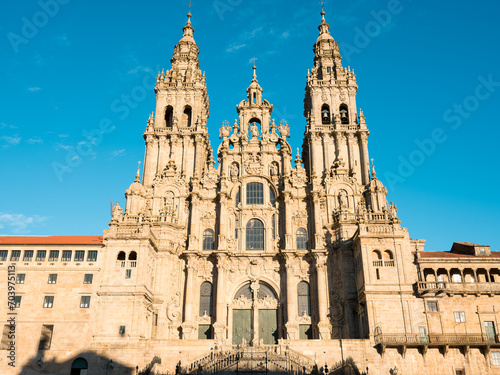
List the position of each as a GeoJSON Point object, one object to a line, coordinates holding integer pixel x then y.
{"type": "Point", "coordinates": [255, 315]}
{"type": "Point", "coordinates": [79, 366]}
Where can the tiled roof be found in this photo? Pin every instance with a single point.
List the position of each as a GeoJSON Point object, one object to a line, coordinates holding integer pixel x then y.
{"type": "Point", "coordinates": [50, 240]}
{"type": "Point", "coordinates": [448, 254]}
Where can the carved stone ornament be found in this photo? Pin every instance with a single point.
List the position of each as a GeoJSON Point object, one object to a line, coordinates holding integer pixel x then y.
{"type": "Point", "coordinates": [253, 163]}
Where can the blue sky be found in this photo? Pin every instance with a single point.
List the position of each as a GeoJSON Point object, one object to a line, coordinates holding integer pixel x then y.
{"type": "Point", "coordinates": [429, 85]}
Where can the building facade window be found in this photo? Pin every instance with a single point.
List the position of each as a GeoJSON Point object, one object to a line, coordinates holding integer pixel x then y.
{"type": "Point", "coordinates": [301, 237]}
{"type": "Point", "coordinates": [92, 256]}
{"type": "Point", "coordinates": [40, 255]}
{"type": "Point", "coordinates": [206, 292]}
{"type": "Point", "coordinates": [495, 358]}
{"type": "Point", "coordinates": [46, 337]}
{"type": "Point", "coordinates": [66, 256]}
{"type": "Point", "coordinates": [122, 330]}
{"type": "Point", "coordinates": [15, 255]}
{"type": "Point", "coordinates": [255, 193]}
{"type": "Point", "coordinates": [304, 298]}
{"type": "Point", "coordinates": [28, 256]}
{"type": "Point", "coordinates": [79, 256]}
{"type": "Point", "coordinates": [432, 306]}
{"type": "Point", "coordinates": [85, 302]}
{"type": "Point", "coordinates": [459, 316]}
{"type": "Point", "coordinates": [128, 274]}
{"type": "Point", "coordinates": [208, 239]}
{"type": "Point", "coordinates": [48, 302]}
{"type": "Point", "coordinates": [52, 278]}
{"type": "Point", "coordinates": [88, 278]}
{"type": "Point", "coordinates": [255, 235]}
{"type": "Point", "coordinates": [20, 278]}
{"type": "Point", "coordinates": [272, 197]}
{"type": "Point", "coordinates": [3, 255]}
{"type": "Point", "coordinates": [17, 301]}
{"type": "Point", "coordinates": [53, 255]}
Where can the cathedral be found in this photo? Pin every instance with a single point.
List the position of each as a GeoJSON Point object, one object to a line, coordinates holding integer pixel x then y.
{"type": "Point", "coordinates": [271, 260]}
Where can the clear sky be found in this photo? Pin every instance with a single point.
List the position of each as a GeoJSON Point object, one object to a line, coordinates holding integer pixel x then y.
{"type": "Point", "coordinates": [429, 85]}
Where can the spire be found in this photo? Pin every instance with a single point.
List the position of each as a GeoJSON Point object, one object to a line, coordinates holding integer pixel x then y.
{"type": "Point", "coordinates": [254, 91]}
{"type": "Point", "coordinates": [324, 28]}
{"type": "Point", "coordinates": [188, 30]}
{"type": "Point", "coordinates": [138, 174]}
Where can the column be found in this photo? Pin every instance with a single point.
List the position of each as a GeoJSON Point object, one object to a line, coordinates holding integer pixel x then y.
{"type": "Point", "coordinates": [365, 167]}
{"type": "Point", "coordinates": [318, 233]}
{"type": "Point", "coordinates": [324, 326]}
{"type": "Point", "coordinates": [220, 306]}
{"type": "Point", "coordinates": [288, 221]}
{"type": "Point", "coordinates": [223, 235]}
{"type": "Point", "coordinates": [194, 222]}
{"type": "Point", "coordinates": [292, 328]}
{"type": "Point", "coordinates": [350, 141]}
{"type": "Point", "coordinates": [150, 158]}
{"type": "Point", "coordinates": [163, 153]}
{"type": "Point", "coordinates": [188, 327]}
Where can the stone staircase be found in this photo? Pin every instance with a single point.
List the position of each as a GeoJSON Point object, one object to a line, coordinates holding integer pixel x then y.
{"type": "Point", "coordinates": [264, 359]}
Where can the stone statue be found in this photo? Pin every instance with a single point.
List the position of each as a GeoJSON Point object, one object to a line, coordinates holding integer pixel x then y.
{"type": "Point", "coordinates": [274, 169]}
{"type": "Point", "coordinates": [254, 130]}
{"type": "Point", "coordinates": [234, 170]}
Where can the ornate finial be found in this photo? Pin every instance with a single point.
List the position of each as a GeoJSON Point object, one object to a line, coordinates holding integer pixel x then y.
{"type": "Point", "coordinates": [298, 159]}
{"type": "Point", "coordinates": [189, 12]}
{"type": "Point", "coordinates": [254, 67]}
{"type": "Point", "coordinates": [374, 174]}
{"type": "Point", "coordinates": [138, 174]}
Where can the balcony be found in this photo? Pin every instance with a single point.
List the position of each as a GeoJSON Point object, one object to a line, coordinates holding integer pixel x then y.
{"type": "Point", "coordinates": [437, 287]}
{"type": "Point", "coordinates": [423, 342]}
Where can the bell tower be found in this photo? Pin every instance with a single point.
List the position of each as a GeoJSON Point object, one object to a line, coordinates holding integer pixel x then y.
{"type": "Point", "coordinates": [335, 132]}
{"type": "Point", "coordinates": [177, 133]}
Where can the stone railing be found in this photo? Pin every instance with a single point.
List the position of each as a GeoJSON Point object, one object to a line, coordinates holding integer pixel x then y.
{"type": "Point", "coordinates": [436, 286]}
{"type": "Point", "coordinates": [444, 339]}
{"type": "Point", "coordinates": [383, 263]}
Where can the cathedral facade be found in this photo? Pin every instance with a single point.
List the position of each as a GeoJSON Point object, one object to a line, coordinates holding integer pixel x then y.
{"type": "Point", "coordinates": [294, 255]}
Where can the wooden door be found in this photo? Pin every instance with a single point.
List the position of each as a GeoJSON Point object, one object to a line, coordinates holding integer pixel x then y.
{"type": "Point", "coordinates": [268, 326]}
{"type": "Point", "coordinates": [242, 326]}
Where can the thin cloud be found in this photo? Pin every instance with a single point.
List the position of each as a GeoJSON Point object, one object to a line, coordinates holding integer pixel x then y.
{"type": "Point", "coordinates": [139, 68]}
{"type": "Point", "coordinates": [118, 153]}
{"type": "Point", "coordinates": [13, 141]}
{"type": "Point", "coordinates": [4, 125]}
{"type": "Point", "coordinates": [34, 89]}
{"type": "Point", "coordinates": [33, 141]}
{"type": "Point", "coordinates": [63, 135]}
{"type": "Point", "coordinates": [235, 47]}
{"type": "Point", "coordinates": [19, 223]}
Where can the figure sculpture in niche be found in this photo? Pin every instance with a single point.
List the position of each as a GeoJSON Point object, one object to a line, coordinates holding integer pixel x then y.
{"type": "Point", "coordinates": [254, 130]}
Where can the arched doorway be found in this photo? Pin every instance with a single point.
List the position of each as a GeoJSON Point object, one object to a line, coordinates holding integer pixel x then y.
{"type": "Point", "coordinates": [79, 367]}
{"type": "Point", "coordinates": [255, 315]}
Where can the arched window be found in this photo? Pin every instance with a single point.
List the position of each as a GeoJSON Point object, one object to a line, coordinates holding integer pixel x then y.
{"type": "Point", "coordinates": [255, 193]}
{"type": "Point", "coordinates": [272, 196]}
{"type": "Point", "coordinates": [255, 235]}
{"type": "Point", "coordinates": [344, 114]}
{"type": "Point", "coordinates": [237, 199]}
{"type": "Point", "coordinates": [132, 255]}
{"type": "Point", "coordinates": [186, 117]}
{"type": "Point", "coordinates": [208, 239]}
{"type": "Point", "coordinates": [121, 255]}
{"type": "Point", "coordinates": [301, 237]}
{"type": "Point", "coordinates": [304, 298]}
{"type": "Point", "coordinates": [325, 114]}
{"type": "Point", "coordinates": [388, 255]}
{"type": "Point", "coordinates": [79, 367]}
{"type": "Point", "coordinates": [206, 299]}
{"type": "Point", "coordinates": [376, 255]}
{"type": "Point", "coordinates": [169, 116]}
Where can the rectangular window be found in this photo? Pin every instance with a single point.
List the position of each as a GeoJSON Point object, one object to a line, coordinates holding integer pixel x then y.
{"type": "Point", "coordinates": [87, 278]}
{"type": "Point", "coordinates": [85, 302]}
{"type": "Point", "coordinates": [48, 302]}
{"type": "Point", "coordinates": [495, 358]}
{"type": "Point", "coordinates": [17, 301]}
{"type": "Point", "coordinates": [204, 332]}
{"type": "Point", "coordinates": [79, 256]}
{"type": "Point", "coordinates": [255, 193]}
{"type": "Point", "coordinates": [92, 256]}
{"type": "Point", "coordinates": [3, 255]}
{"type": "Point", "coordinates": [122, 330]}
{"type": "Point", "coordinates": [15, 255]}
{"type": "Point", "coordinates": [20, 278]}
{"type": "Point", "coordinates": [53, 255]}
{"type": "Point", "coordinates": [52, 278]}
{"type": "Point", "coordinates": [432, 306]}
{"type": "Point", "coordinates": [459, 316]}
{"type": "Point", "coordinates": [128, 274]}
{"type": "Point", "coordinates": [46, 337]}
{"type": "Point", "coordinates": [40, 255]}
{"type": "Point", "coordinates": [66, 256]}
{"type": "Point", "coordinates": [460, 372]}
{"type": "Point", "coordinates": [28, 256]}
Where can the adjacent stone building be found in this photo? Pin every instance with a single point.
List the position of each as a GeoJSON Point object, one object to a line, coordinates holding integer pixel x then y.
{"type": "Point", "coordinates": [295, 258]}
